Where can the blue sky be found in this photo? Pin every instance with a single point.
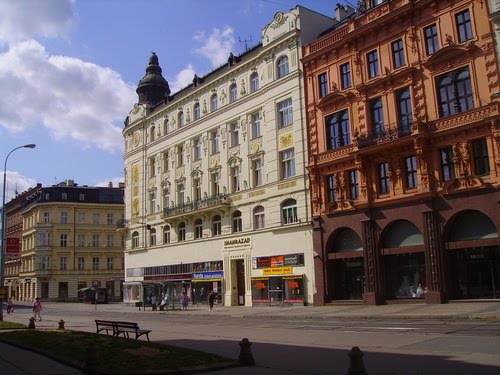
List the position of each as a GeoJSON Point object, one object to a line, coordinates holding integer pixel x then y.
{"type": "Point", "coordinates": [69, 70]}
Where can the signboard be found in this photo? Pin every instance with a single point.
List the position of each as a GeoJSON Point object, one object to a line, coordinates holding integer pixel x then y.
{"type": "Point", "coordinates": [13, 248]}
{"type": "Point", "coordinates": [277, 270]}
{"type": "Point", "coordinates": [238, 243]}
{"type": "Point", "coordinates": [207, 275]}
{"type": "Point", "coordinates": [278, 261]}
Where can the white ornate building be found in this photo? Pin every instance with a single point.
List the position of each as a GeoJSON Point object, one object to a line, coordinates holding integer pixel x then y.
{"type": "Point", "coordinates": [216, 188]}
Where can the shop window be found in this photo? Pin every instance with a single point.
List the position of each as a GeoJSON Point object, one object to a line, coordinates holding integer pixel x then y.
{"type": "Point", "coordinates": [406, 277]}
{"type": "Point", "coordinates": [293, 289]}
{"type": "Point", "coordinates": [260, 289]}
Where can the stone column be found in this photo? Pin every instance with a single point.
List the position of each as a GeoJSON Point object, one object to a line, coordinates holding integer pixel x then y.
{"type": "Point", "coordinates": [434, 259]}
{"type": "Point", "coordinates": [373, 287]}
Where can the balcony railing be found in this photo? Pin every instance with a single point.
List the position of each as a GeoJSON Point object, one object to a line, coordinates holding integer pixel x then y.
{"type": "Point", "coordinates": [385, 135]}
{"type": "Point", "coordinates": [201, 204]}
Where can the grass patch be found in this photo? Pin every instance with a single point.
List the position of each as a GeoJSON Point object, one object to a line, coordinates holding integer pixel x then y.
{"type": "Point", "coordinates": [8, 325]}
{"type": "Point", "coordinates": [112, 353]}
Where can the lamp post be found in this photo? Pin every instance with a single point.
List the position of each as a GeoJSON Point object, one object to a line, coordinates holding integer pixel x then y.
{"type": "Point", "coordinates": [4, 226]}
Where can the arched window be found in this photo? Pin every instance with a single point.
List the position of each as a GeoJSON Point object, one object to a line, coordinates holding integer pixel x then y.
{"type": "Point", "coordinates": [289, 211]}
{"type": "Point", "coordinates": [233, 92]}
{"type": "Point", "coordinates": [181, 232]}
{"type": "Point", "coordinates": [402, 233]}
{"type": "Point", "coordinates": [338, 130]}
{"type": "Point", "coordinates": [237, 223]}
{"type": "Point", "coordinates": [282, 66]}
{"type": "Point", "coordinates": [198, 228]}
{"type": "Point", "coordinates": [196, 111]}
{"type": "Point", "coordinates": [135, 240]}
{"type": "Point", "coordinates": [152, 134]}
{"type": "Point", "coordinates": [254, 82]}
{"type": "Point", "coordinates": [216, 225]}
{"type": "Point", "coordinates": [259, 217]}
{"type": "Point", "coordinates": [166, 234]}
{"type": "Point", "coordinates": [214, 103]}
{"type": "Point", "coordinates": [180, 119]}
{"type": "Point", "coordinates": [472, 225]}
{"type": "Point", "coordinates": [152, 237]}
{"type": "Point", "coordinates": [454, 92]}
{"type": "Point", "coordinates": [346, 240]}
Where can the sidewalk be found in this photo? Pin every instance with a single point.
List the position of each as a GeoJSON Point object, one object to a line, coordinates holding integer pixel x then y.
{"type": "Point", "coordinates": [17, 361]}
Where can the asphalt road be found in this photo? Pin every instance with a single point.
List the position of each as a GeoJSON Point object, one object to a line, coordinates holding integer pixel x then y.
{"type": "Point", "coordinates": [295, 345]}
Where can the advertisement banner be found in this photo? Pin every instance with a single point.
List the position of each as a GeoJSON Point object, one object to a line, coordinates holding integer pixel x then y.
{"type": "Point", "coordinates": [277, 271]}
{"type": "Point", "coordinates": [13, 248]}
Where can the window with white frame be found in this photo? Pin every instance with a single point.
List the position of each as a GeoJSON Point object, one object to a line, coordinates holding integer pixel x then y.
{"type": "Point", "coordinates": [152, 237]}
{"type": "Point", "coordinates": [82, 217]}
{"type": "Point", "coordinates": [259, 217]}
{"type": "Point", "coordinates": [215, 183]}
{"type": "Point", "coordinates": [197, 188]}
{"type": "Point", "coordinates": [198, 229]}
{"type": "Point", "coordinates": [196, 111]}
{"type": "Point", "coordinates": [289, 211]}
{"type": "Point", "coordinates": [287, 163]}
{"type": "Point", "coordinates": [166, 128]}
{"type": "Point", "coordinates": [95, 263]}
{"type": "Point", "coordinates": [214, 136]}
{"type": "Point", "coordinates": [152, 166]}
{"type": "Point", "coordinates": [110, 218]}
{"type": "Point", "coordinates": [152, 202]}
{"type": "Point", "coordinates": [63, 240]}
{"type": "Point", "coordinates": [216, 225]}
{"type": "Point", "coordinates": [282, 66]}
{"type": "Point", "coordinates": [233, 92]}
{"type": "Point", "coordinates": [166, 198]}
{"type": "Point", "coordinates": [64, 217]}
{"type": "Point", "coordinates": [166, 160]}
{"type": "Point", "coordinates": [197, 149]}
{"type": "Point", "coordinates": [95, 218]}
{"type": "Point", "coordinates": [254, 82]}
{"type": "Point", "coordinates": [80, 240]}
{"type": "Point", "coordinates": [46, 217]}
{"type": "Point", "coordinates": [234, 129]}
{"type": "Point", "coordinates": [110, 263]}
{"type": "Point", "coordinates": [81, 263]}
{"type": "Point", "coordinates": [256, 132]}
{"type": "Point", "coordinates": [180, 193]}
{"type": "Point", "coordinates": [166, 234]}
{"type": "Point", "coordinates": [95, 240]}
{"type": "Point", "coordinates": [135, 240]}
{"type": "Point", "coordinates": [63, 263]}
{"type": "Point", "coordinates": [182, 232]}
{"type": "Point", "coordinates": [110, 240]}
{"type": "Point", "coordinates": [257, 172]}
{"type": "Point", "coordinates": [180, 118]}
{"type": "Point", "coordinates": [43, 262]}
{"type": "Point", "coordinates": [235, 179]}
{"type": "Point", "coordinates": [214, 103]}
{"type": "Point", "coordinates": [237, 222]}
{"type": "Point", "coordinates": [285, 113]}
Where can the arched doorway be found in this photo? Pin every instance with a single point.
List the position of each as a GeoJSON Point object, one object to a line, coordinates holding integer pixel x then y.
{"type": "Point", "coordinates": [345, 256]}
{"type": "Point", "coordinates": [404, 261]}
{"type": "Point", "coordinates": [472, 245]}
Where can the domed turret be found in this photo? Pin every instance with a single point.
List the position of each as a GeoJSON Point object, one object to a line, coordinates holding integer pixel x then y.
{"type": "Point", "coordinates": [152, 88]}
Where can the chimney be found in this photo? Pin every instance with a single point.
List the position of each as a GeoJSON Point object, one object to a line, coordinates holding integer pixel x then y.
{"type": "Point", "coordinates": [121, 185]}
{"type": "Point", "coordinates": [110, 184]}
{"type": "Point", "coordinates": [342, 12]}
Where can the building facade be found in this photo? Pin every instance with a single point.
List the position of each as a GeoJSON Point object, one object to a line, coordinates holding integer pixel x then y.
{"type": "Point", "coordinates": [216, 191]}
{"type": "Point", "coordinates": [70, 242]}
{"type": "Point", "coordinates": [13, 239]}
{"type": "Point", "coordinates": [404, 138]}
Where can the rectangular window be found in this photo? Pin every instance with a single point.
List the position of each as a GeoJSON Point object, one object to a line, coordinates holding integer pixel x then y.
{"type": "Point", "coordinates": [447, 164]}
{"type": "Point", "coordinates": [215, 182]}
{"type": "Point", "coordinates": [64, 217]}
{"type": "Point", "coordinates": [110, 219]}
{"type": "Point", "coordinates": [43, 262]}
{"type": "Point", "coordinates": [95, 240]}
{"type": "Point", "coordinates": [166, 234]}
{"type": "Point", "coordinates": [411, 172]}
{"type": "Point", "coordinates": [109, 263]}
{"type": "Point", "coordinates": [63, 263]}
{"type": "Point", "coordinates": [235, 139]}
{"type": "Point", "coordinates": [481, 157]}
{"type": "Point", "coordinates": [285, 113]}
{"type": "Point", "coordinates": [287, 161]}
{"type": "Point", "coordinates": [257, 172]}
{"type": "Point", "coordinates": [152, 203]}
{"type": "Point", "coordinates": [110, 240]}
{"type": "Point", "coordinates": [63, 240]}
{"type": "Point", "coordinates": [215, 142]}
{"type": "Point", "coordinates": [95, 218]}
{"type": "Point", "coordinates": [323, 85]}
{"type": "Point", "coordinates": [81, 218]}
{"type": "Point", "coordinates": [95, 263]}
{"type": "Point", "coordinates": [82, 197]}
{"type": "Point", "coordinates": [235, 179]}
{"type": "Point", "coordinates": [256, 126]}
{"type": "Point", "coordinates": [180, 193]}
{"type": "Point", "coordinates": [384, 180]}
{"type": "Point", "coordinates": [404, 110]}
{"type": "Point", "coordinates": [454, 92]}
{"type": "Point", "coordinates": [373, 68]}
{"type": "Point", "coordinates": [431, 39]}
{"type": "Point", "coordinates": [80, 240]}
{"type": "Point", "coordinates": [338, 130]}
{"type": "Point", "coordinates": [165, 166]}
{"type": "Point", "coordinates": [198, 229]}
{"type": "Point", "coordinates": [197, 149]}
{"type": "Point", "coordinates": [81, 263]}
{"type": "Point", "coordinates": [377, 116]}
{"type": "Point", "coordinates": [64, 196]}
{"type": "Point", "coordinates": [353, 185]}
{"type": "Point", "coordinates": [331, 185]}
{"type": "Point", "coordinates": [180, 155]}
{"type": "Point", "coordinates": [196, 189]}
{"type": "Point", "coordinates": [46, 217]}
{"type": "Point", "coordinates": [152, 166]}
{"type": "Point", "coordinates": [464, 26]}
{"type": "Point", "coordinates": [182, 234]}
{"type": "Point", "coordinates": [398, 53]}
{"type": "Point", "coordinates": [345, 74]}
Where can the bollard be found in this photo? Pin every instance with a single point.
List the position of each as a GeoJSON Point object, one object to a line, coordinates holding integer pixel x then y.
{"type": "Point", "coordinates": [61, 324]}
{"type": "Point", "coordinates": [246, 357]}
{"type": "Point", "coordinates": [32, 323]}
{"type": "Point", "coordinates": [356, 365]}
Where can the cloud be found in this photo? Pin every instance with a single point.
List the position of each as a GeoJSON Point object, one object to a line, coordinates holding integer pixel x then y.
{"type": "Point", "coordinates": [25, 19]}
{"type": "Point", "coordinates": [182, 79]}
{"type": "Point", "coordinates": [216, 47]}
{"type": "Point", "coordinates": [73, 99]}
{"type": "Point", "coordinates": [113, 180]}
{"type": "Point", "coordinates": [16, 183]}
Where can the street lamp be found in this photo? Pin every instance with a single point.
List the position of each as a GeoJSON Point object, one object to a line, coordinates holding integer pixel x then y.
{"type": "Point", "coordinates": [4, 227]}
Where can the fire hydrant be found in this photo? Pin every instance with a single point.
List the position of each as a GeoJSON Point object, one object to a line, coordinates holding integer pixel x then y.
{"type": "Point", "coordinates": [32, 323]}
{"type": "Point", "coordinates": [61, 324]}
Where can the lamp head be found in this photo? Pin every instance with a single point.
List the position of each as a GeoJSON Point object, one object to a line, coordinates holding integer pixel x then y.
{"type": "Point", "coordinates": [31, 145]}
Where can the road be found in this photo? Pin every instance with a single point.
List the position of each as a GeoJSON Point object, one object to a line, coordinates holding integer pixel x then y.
{"type": "Point", "coordinates": [291, 344]}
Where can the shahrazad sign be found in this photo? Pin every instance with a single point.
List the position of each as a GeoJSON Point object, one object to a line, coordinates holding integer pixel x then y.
{"type": "Point", "coordinates": [13, 248]}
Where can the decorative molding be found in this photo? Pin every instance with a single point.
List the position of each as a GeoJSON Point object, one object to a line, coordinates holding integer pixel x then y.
{"type": "Point", "coordinates": [463, 184]}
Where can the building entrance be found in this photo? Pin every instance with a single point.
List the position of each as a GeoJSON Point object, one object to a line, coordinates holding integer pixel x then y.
{"type": "Point", "coordinates": [240, 281]}
{"type": "Point", "coordinates": [348, 279]}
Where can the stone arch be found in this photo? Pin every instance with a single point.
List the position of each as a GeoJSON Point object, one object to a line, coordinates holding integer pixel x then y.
{"type": "Point", "coordinates": [470, 225]}
{"type": "Point", "coordinates": [401, 233]}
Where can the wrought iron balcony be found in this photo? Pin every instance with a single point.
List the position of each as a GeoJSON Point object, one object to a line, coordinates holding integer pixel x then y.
{"type": "Point", "coordinates": [384, 135]}
{"type": "Point", "coordinates": [209, 203]}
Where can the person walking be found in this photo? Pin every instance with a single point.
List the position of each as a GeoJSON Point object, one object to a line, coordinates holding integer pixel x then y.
{"type": "Point", "coordinates": [184, 301]}
{"type": "Point", "coordinates": [37, 309]}
{"type": "Point", "coordinates": [211, 299]}
{"type": "Point", "coordinates": [10, 306]}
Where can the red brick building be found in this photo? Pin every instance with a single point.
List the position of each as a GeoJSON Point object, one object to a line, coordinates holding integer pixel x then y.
{"type": "Point", "coordinates": [404, 137]}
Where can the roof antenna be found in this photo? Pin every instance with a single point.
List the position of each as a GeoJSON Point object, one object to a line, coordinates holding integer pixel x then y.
{"type": "Point", "coordinates": [247, 42]}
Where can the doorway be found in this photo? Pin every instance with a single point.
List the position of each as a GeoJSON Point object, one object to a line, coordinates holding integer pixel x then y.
{"type": "Point", "coordinates": [240, 281]}
{"type": "Point", "coordinates": [348, 279]}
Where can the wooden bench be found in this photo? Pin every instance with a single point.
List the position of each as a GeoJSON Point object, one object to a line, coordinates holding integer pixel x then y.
{"type": "Point", "coordinates": [105, 325]}
{"type": "Point", "coordinates": [126, 328]}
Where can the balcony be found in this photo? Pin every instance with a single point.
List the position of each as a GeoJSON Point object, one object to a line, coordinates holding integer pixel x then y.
{"type": "Point", "coordinates": [215, 203]}
{"type": "Point", "coordinates": [384, 135]}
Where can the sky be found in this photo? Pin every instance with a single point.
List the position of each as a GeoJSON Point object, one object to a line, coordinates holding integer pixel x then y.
{"type": "Point", "coordinates": [69, 70]}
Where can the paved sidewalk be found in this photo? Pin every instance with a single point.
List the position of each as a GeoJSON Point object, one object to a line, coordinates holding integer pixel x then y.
{"type": "Point", "coordinates": [17, 361]}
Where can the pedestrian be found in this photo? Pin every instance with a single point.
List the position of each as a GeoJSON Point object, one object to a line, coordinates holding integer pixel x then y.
{"type": "Point", "coordinates": [37, 309]}
{"type": "Point", "coordinates": [211, 299]}
{"type": "Point", "coordinates": [10, 306]}
{"type": "Point", "coordinates": [164, 303]}
{"type": "Point", "coordinates": [154, 302]}
{"type": "Point", "coordinates": [184, 301]}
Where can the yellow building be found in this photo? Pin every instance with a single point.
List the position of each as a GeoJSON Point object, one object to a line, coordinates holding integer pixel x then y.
{"type": "Point", "coordinates": [70, 242]}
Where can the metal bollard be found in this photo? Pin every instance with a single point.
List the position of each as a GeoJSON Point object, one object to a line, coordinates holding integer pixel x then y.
{"type": "Point", "coordinates": [31, 323]}
{"type": "Point", "coordinates": [356, 365]}
{"type": "Point", "coordinates": [61, 324]}
{"type": "Point", "coordinates": [246, 357]}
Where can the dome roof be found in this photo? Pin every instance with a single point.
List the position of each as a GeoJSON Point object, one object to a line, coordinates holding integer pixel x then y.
{"type": "Point", "coordinates": [152, 88]}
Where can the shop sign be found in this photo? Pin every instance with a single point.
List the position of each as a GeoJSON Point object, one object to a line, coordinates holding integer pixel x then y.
{"type": "Point", "coordinates": [238, 243]}
{"type": "Point", "coordinates": [12, 248]}
{"type": "Point", "coordinates": [208, 275]}
{"type": "Point", "coordinates": [177, 276]}
{"type": "Point", "coordinates": [277, 270]}
{"type": "Point", "coordinates": [278, 261]}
